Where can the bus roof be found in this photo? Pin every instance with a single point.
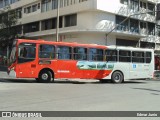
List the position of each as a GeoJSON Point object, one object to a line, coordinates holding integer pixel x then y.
{"type": "Point", "coordinates": [61, 43]}
{"type": "Point", "coordinates": [129, 48]}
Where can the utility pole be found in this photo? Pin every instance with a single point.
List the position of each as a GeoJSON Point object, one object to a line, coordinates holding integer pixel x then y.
{"type": "Point", "coordinates": [57, 29]}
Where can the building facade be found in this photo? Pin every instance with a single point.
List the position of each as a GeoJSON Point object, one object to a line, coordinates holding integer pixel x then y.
{"type": "Point", "coordinates": [104, 22]}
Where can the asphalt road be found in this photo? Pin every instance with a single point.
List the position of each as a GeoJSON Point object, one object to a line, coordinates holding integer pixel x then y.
{"type": "Point", "coordinates": [87, 95]}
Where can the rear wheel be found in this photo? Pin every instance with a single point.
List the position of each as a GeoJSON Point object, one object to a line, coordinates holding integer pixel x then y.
{"type": "Point", "coordinates": [45, 76]}
{"type": "Point", "coordinates": [117, 77]}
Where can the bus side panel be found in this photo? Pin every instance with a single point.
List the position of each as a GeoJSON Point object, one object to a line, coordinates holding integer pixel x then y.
{"type": "Point", "coordinates": [95, 74]}
{"type": "Point", "coordinates": [94, 70]}
{"type": "Point", "coordinates": [122, 67]}
{"type": "Point", "coordinates": [68, 69]}
{"type": "Point", "coordinates": [27, 70]}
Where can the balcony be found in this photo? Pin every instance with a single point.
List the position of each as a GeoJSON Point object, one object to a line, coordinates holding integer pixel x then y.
{"type": "Point", "coordinates": [126, 11]}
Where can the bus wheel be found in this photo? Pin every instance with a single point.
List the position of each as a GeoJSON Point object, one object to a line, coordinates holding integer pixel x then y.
{"type": "Point", "coordinates": [45, 76]}
{"type": "Point", "coordinates": [117, 77]}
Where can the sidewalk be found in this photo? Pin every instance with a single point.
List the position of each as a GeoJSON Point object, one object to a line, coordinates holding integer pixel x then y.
{"type": "Point", "coordinates": [3, 72]}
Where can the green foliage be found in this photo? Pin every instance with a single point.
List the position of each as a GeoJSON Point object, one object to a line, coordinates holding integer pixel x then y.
{"type": "Point", "coordinates": [8, 32]}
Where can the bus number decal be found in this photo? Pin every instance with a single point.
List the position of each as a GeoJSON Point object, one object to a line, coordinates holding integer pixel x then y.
{"type": "Point", "coordinates": [134, 66]}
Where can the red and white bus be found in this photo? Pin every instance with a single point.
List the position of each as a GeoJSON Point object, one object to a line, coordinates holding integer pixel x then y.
{"type": "Point", "coordinates": [46, 61]}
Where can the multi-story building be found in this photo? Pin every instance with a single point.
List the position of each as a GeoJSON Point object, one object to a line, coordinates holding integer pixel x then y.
{"type": "Point", "coordinates": [90, 21]}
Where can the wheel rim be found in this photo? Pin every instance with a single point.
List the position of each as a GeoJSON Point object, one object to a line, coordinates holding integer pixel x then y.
{"type": "Point", "coordinates": [117, 77]}
{"type": "Point", "coordinates": [45, 76]}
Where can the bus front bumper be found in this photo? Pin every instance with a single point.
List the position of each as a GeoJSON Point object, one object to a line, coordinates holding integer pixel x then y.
{"type": "Point", "coordinates": [11, 73]}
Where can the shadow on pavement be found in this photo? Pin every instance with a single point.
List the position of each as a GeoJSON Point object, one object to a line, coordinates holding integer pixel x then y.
{"type": "Point", "coordinates": [146, 89]}
{"type": "Point", "coordinates": [7, 80]}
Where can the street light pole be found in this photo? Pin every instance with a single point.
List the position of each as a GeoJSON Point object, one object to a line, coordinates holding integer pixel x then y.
{"type": "Point", "coordinates": [57, 29]}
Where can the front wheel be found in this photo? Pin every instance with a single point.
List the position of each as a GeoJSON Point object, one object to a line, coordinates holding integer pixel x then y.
{"type": "Point", "coordinates": [45, 76]}
{"type": "Point", "coordinates": [117, 77]}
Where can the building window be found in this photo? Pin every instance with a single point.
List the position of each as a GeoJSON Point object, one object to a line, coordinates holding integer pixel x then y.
{"type": "Point", "coordinates": [28, 9]}
{"type": "Point", "coordinates": [73, 2]}
{"type": "Point", "coordinates": [31, 27]}
{"type": "Point", "coordinates": [71, 20]}
{"type": "Point", "coordinates": [143, 27]}
{"type": "Point", "coordinates": [51, 23]}
{"type": "Point", "coordinates": [1, 3]}
{"type": "Point", "coordinates": [151, 29]}
{"type": "Point", "coordinates": [61, 3]}
{"type": "Point", "coordinates": [6, 2]}
{"type": "Point", "coordinates": [134, 26]}
{"type": "Point", "coordinates": [123, 26]}
{"type": "Point", "coordinates": [34, 8]}
{"type": "Point", "coordinates": [19, 12]}
{"type": "Point", "coordinates": [124, 42]}
{"type": "Point", "coordinates": [134, 5]}
{"type": "Point", "coordinates": [47, 24]}
{"type": "Point", "coordinates": [151, 8]}
{"type": "Point", "coordinates": [82, 0]}
{"type": "Point", "coordinates": [158, 30]}
{"type": "Point", "coordinates": [143, 5]}
{"type": "Point", "coordinates": [125, 2]}
{"type": "Point", "coordinates": [13, 1]}
{"type": "Point", "coordinates": [46, 5]}
{"type": "Point", "coordinates": [54, 4]}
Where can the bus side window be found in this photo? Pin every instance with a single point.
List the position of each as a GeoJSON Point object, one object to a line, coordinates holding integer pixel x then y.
{"type": "Point", "coordinates": [95, 54]}
{"type": "Point", "coordinates": [138, 56]}
{"type": "Point", "coordinates": [64, 52]}
{"type": "Point", "coordinates": [124, 56]}
{"type": "Point", "coordinates": [111, 55]}
{"type": "Point", "coordinates": [80, 53]}
{"type": "Point", "coordinates": [47, 51]}
{"type": "Point", "coordinates": [148, 57]}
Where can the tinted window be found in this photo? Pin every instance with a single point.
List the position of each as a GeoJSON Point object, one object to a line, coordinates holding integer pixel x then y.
{"type": "Point", "coordinates": [26, 52]}
{"type": "Point", "coordinates": [46, 51]}
{"type": "Point", "coordinates": [111, 55]}
{"type": "Point", "coordinates": [138, 57]}
{"type": "Point", "coordinates": [96, 54]}
{"type": "Point", "coordinates": [148, 57]}
{"type": "Point", "coordinates": [64, 52]}
{"type": "Point", "coordinates": [124, 56]}
{"type": "Point", "coordinates": [80, 53]}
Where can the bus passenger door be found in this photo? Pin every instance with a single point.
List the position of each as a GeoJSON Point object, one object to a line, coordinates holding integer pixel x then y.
{"type": "Point", "coordinates": [26, 65]}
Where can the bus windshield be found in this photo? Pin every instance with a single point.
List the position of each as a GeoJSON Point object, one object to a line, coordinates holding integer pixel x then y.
{"type": "Point", "coordinates": [26, 52]}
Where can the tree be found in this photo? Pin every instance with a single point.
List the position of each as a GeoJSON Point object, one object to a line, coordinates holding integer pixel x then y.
{"type": "Point", "coordinates": [8, 32]}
